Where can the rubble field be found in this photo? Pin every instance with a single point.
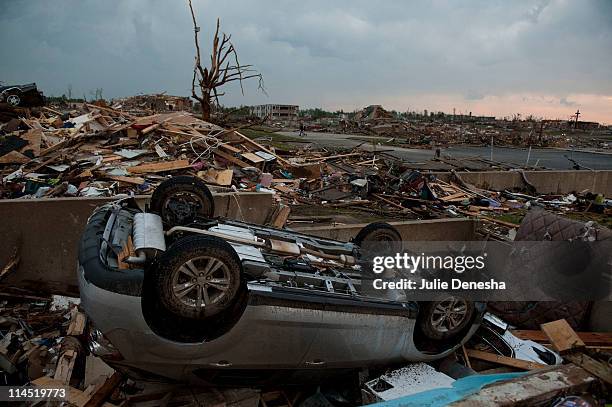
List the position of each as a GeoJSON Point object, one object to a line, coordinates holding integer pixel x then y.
{"type": "Point", "coordinates": [94, 149]}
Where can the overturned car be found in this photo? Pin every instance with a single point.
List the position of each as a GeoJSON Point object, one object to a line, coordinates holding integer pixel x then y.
{"type": "Point", "coordinates": [21, 95]}
{"type": "Point", "coordinates": [175, 292]}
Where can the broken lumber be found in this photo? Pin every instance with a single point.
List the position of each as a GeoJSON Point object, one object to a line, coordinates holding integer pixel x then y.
{"type": "Point", "coordinates": [262, 148]}
{"type": "Point", "coordinates": [65, 364]}
{"type": "Point", "coordinates": [504, 360]}
{"type": "Point", "coordinates": [128, 180]}
{"type": "Point", "coordinates": [77, 324]}
{"type": "Point", "coordinates": [160, 167]}
{"type": "Point", "coordinates": [281, 217]}
{"type": "Point", "coordinates": [595, 367]}
{"type": "Point", "coordinates": [231, 158]}
{"type": "Point", "coordinates": [73, 396]}
{"type": "Point", "coordinates": [589, 338]}
{"type": "Point", "coordinates": [562, 337]}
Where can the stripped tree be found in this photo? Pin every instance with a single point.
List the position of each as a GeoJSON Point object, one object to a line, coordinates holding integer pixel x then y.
{"type": "Point", "coordinates": [224, 68]}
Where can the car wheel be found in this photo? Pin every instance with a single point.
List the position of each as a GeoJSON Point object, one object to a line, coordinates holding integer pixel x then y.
{"type": "Point", "coordinates": [13, 100]}
{"type": "Point", "coordinates": [379, 237]}
{"type": "Point", "coordinates": [378, 232]}
{"type": "Point", "coordinates": [198, 277]}
{"type": "Point", "coordinates": [180, 200]}
{"type": "Point", "coordinates": [445, 318]}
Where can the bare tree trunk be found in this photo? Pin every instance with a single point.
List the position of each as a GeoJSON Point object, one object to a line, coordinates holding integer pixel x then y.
{"type": "Point", "coordinates": [206, 107]}
{"type": "Point", "coordinates": [224, 68]}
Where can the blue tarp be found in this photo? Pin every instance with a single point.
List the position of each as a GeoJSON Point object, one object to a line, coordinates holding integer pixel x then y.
{"type": "Point", "coordinates": [444, 396]}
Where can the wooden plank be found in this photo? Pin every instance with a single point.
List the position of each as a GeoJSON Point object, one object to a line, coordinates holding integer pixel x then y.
{"type": "Point", "coordinates": [562, 337]}
{"type": "Point", "coordinates": [77, 324]}
{"type": "Point", "coordinates": [230, 148]}
{"type": "Point", "coordinates": [458, 195]}
{"type": "Point", "coordinates": [109, 109]}
{"type": "Point", "coordinates": [112, 157]}
{"type": "Point", "coordinates": [282, 216]}
{"type": "Point", "coordinates": [259, 146]}
{"type": "Point", "coordinates": [149, 129]}
{"type": "Point", "coordinates": [217, 177]}
{"type": "Point", "coordinates": [231, 158]}
{"type": "Point", "coordinates": [103, 390]}
{"type": "Point", "coordinates": [160, 167]}
{"type": "Point", "coordinates": [254, 158]}
{"type": "Point", "coordinates": [65, 364]}
{"type": "Point", "coordinates": [589, 338]}
{"type": "Point", "coordinates": [73, 396]}
{"type": "Point", "coordinates": [127, 180]}
{"type": "Point", "coordinates": [504, 360]}
{"type": "Point", "coordinates": [56, 112]}
{"type": "Point", "coordinates": [591, 365]}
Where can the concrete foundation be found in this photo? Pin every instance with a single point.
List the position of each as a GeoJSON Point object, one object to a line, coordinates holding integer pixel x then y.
{"type": "Point", "coordinates": [414, 230]}
{"type": "Point", "coordinates": [545, 182]}
{"type": "Point", "coordinates": [46, 233]}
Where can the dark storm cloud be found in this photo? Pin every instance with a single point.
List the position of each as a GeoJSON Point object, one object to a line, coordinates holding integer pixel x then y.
{"type": "Point", "coordinates": [316, 52]}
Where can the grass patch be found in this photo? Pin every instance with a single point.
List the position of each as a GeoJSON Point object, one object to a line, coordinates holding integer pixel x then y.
{"type": "Point", "coordinates": [599, 218]}
{"type": "Point", "coordinates": [274, 139]}
{"type": "Point", "coordinates": [515, 217]}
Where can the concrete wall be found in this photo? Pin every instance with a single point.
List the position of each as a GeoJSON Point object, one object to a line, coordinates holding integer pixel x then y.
{"type": "Point", "coordinates": [413, 230]}
{"type": "Point", "coordinates": [47, 233]}
{"type": "Point", "coordinates": [555, 182]}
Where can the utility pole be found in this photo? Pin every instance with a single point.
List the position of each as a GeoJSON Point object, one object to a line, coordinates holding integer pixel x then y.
{"type": "Point", "coordinates": [576, 122]}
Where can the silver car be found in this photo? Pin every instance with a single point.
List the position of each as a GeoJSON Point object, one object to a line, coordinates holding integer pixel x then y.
{"type": "Point", "coordinates": [175, 293]}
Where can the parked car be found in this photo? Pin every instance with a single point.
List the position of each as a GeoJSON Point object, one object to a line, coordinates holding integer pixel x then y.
{"type": "Point", "coordinates": [175, 292]}
{"type": "Point", "coordinates": [21, 95]}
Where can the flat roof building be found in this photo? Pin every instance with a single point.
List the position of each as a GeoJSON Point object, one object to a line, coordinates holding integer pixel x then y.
{"type": "Point", "coordinates": [276, 112]}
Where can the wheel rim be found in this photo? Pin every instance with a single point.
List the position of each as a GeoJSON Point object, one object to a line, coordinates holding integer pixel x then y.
{"type": "Point", "coordinates": [449, 314]}
{"type": "Point", "coordinates": [201, 282]}
{"type": "Point", "coordinates": [13, 100]}
{"type": "Point", "coordinates": [181, 208]}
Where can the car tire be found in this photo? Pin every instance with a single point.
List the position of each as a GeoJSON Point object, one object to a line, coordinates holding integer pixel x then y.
{"type": "Point", "coordinates": [379, 232]}
{"type": "Point", "coordinates": [13, 99]}
{"type": "Point", "coordinates": [445, 318]}
{"type": "Point", "coordinates": [198, 277]}
{"type": "Point", "coordinates": [180, 200]}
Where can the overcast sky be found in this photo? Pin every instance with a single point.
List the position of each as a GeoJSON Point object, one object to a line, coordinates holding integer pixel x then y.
{"type": "Point", "coordinates": [546, 58]}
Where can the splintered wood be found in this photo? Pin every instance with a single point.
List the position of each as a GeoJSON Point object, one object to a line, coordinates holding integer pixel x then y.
{"type": "Point", "coordinates": [562, 337]}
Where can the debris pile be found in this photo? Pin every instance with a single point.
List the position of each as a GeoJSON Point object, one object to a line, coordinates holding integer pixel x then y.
{"type": "Point", "coordinates": [423, 130]}
{"type": "Point", "coordinates": [102, 151]}
{"type": "Point", "coordinates": [144, 105]}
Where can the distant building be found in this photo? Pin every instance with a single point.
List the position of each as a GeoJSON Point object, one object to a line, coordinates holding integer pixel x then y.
{"type": "Point", "coordinates": [276, 112]}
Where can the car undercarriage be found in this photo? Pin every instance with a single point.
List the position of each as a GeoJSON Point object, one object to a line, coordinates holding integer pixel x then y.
{"type": "Point", "coordinates": [182, 294]}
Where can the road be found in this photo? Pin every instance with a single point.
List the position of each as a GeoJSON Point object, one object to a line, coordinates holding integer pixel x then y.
{"type": "Point", "coordinates": [543, 157]}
